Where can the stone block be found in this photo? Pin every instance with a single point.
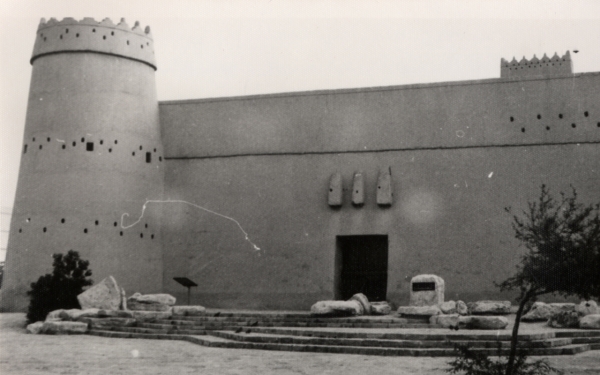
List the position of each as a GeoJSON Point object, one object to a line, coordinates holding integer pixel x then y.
{"type": "Point", "coordinates": [109, 322]}
{"type": "Point", "coordinates": [335, 308]}
{"type": "Point", "coordinates": [591, 321]}
{"type": "Point", "coordinates": [587, 308]}
{"type": "Point", "coordinates": [419, 310]}
{"type": "Point", "coordinates": [153, 315]}
{"type": "Point", "coordinates": [75, 314]}
{"type": "Point", "coordinates": [104, 295]}
{"type": "Point", "coordinates": [63, 328]}
{"type": "Point", "coordinates": [564, 319]}
{"type": "Point", "coordinates": [35, 328]}
{"type": "Point", "coordinates": [380, 308]}
{"type": "Point", "coordinates": [188, 310]}
{"type": "Point", "coordinates": [489, 307]}
{"type": "Point", "coordinates": [426, 290]}
{"type": "Point", "coordinates": [541, 311]}
{"type": "Point", "coordinates": [54, 315]}
{"type": "Point", "coordinates": [115, 314]}
{"type": "Point", "coordinates": [487, 322]}
{"type": "Point", "coordinates": [364, 301]}
{"type": "Point", "coordinates": [448, 307]}
{"type": "Point", "coordinates": [150, 302]}
{"type": "Point", "coordinates": [462, 308]}
{"type": "Point", "coordinates": [445, 320]}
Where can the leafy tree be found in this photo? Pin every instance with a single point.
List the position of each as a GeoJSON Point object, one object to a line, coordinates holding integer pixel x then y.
{"type": "Point", "coordinates": [59, 289]}
{"type": "Point", "coordinates": [562, 238]}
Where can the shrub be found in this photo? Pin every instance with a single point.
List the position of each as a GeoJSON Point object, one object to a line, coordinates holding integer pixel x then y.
{"type": "Point", "coordinates": [59, 289]}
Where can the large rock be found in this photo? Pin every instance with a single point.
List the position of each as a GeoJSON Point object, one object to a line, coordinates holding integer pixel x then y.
{"type": "Point", "coordinates": [337, 308]}
{"type": "Point", "coordinates": [591, 321]}
{"type": "Point", "coordinates": [35, 328]}
{"type": "Point", "coordinates": [461, 308]}
{"type": "Point", "coordinates": [380, 308]}
{"type": "Point", "coordinates": [54, 316]}
{"type": "Point", "coordinates": [63, 328]}
{"type": "Point", "coordinates": [364, 301]}
{"type": "Point", "coordinates": [489, 307]}
{"type": "Point", "coordinates": [541, 311]}
{"type": "Point", "coordinates": [564, 319]}
{"type": "Point", "coordinates": [188, 310]}
{"type": "Point", "coordinates": [448, 307]}
{"type": "Point", "coordinates": [445, 320]}
{"type": "Point", "coordinates": [76, 314]}
{"type": "Point", "coordinates": [483, 322]}
{"type": "Point", "coordinates": [587, 308]}
{"type": "Point", "coordinates": [150, 302]}
{"type": "Point", "coordinates": [104, 295]}
{"type": "Point", "coordinates": [419, 310]}
{"type": "Point", "coordinates": [426, 290]}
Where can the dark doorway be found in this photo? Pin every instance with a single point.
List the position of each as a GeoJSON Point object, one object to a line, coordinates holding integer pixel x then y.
{"type": "Point", "coordinates": [361, 266]}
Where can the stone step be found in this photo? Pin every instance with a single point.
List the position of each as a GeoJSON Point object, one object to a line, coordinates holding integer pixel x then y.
{"type": "Point", "coordinates": [245, 323]}
{"type": "Point", "coordinates": [270, 338]}
{"type": "Point", "coordinates": [171, 331]}
{"type": "Point", "coordinates": [443, 335]}
{"type": "Point", "coordinates": [215, 341]}
{"type": "Point", "coordinates": [578, 333]}
{"type": "Point", "coordinates": [382, 320]}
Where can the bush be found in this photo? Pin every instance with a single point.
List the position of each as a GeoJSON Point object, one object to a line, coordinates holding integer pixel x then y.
{"type": "Point", "coordinates": [472, 362]}
{"type": "Point", "coordinates": [59, 289]}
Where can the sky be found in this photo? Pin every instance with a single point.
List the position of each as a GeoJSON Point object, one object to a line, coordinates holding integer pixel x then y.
{"type": "Point", "coordinates": [230, 48]}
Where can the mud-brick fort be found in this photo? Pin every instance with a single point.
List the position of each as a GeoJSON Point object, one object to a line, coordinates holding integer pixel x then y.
{"type": "Point", "coordinates": [278, 201]}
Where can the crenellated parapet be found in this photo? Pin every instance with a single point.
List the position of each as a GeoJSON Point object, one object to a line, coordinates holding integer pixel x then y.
{"type": "Point", "coordinates": [544, 67]}
{"type": "Point", "coordinates": [89, 35]}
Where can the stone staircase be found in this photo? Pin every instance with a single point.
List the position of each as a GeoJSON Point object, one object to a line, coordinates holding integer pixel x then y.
{"type": "Point", "coordinates": [387, 335]}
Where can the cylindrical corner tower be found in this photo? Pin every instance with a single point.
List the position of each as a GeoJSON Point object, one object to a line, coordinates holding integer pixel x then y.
{"type": "Point", "coordinates": [92, 151]}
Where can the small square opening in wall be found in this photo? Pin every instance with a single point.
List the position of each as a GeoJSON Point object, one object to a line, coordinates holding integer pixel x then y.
{"type": "Point", "coordinates": [148, 157]}
{"type": "Point", "coordinates": [89, 146]}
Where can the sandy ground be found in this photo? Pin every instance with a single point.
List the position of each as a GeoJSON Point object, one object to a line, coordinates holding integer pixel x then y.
{"type": "Point", "coordinates": [21, 353]}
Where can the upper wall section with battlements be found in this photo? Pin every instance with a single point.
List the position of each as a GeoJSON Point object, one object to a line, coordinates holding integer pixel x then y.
{"type": "Point", "coordinates": [544, 67]}
{"type": "Point", "coordinates": [89, 35]}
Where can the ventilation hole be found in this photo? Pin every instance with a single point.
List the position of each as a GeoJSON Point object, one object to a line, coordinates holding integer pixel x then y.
{"type": "Point", "coordinates": [547, 128]}
{"type": "Point", "coordinates": [140, 148]}
{"type": "Point", "coordinates": [74, 143]}
{"type": "Point", "coordinates": [539, 117]}
{"type": "Point", "coordinates": [160, 158]}
{"type": "Point", "coordinates": [48, 139]}
{"type": "Point", "coordinates": [20, 230]}
{"type": "Point", "coordinates": [133, 153]}
{"type": "Point", "coordinates": [331, 190]}
{"type": "Point", "coordinates": [40, 147]}
{"type": "Point", "coordinates": [120, 233]}
{"type": "Point", "coordinates": [62, 221]}
{"type": "Point", "coordinates": [141, 235]}
{"type": "Point", "coordinates": [77, 35]}
{"type": "Point", "coordinates": [82, 140]}
{"type": "Point", "coordinates": [116, 141]}
{"type": "Point", "coordinates": [93, 30]}
{"type": "Point", "coordinates": [512, 119]}
{"type": "Point", "coordinates": [44, 39]}
{"type": "Point", "coordinates": [522, 130]}
{"type": "Point", "coordinates": [141, 46]}
{"type": "Point", "coordinates": [61, 36]}
{"type": "Point", "coordinates": [127, 42]}
{"type": "Point", "coordinates": [112, 33]}
{"type": "Point", "coordinates": [115, 224]}
{"type": "Point", "coordinates": [154, 150]}
{"type": "Point", "coordinates": [148, 157]}
{"type": "Point", "coordinates": [85, 230]}
{"type": "Point", "coordinates": [25, 149]}
{"type": "Point", "coordinates": [104, 37]}
{"type": "Point", "coordinates": [152, 236]}
{"type": "Point", "coordinates": [66, 31]}
{"type": "Point", "coordinates": [101, 142]}
{"type": "Point", "coordinates": [586, 114]}
{"type": "Point", "coordinates": [89, 146]}
{"type": "Point", "coordinates": [560, 115]}
{"type": "Point", "coordinates": [96, 222]}
{"type": "Point", "coordinates": [33, 139]}
{"type": "Point", "coordinates": [573, 126]}
{"type": "Point", "coordinates": [110, 150]}
{"type": "Point", "coordinates": [44, 229]}
{"type": "Point", "coordinates": [598, 124]}
{"type": "Point", "coordinates": [64, 146]}
{"type": "Point", "coordinates": [146, 225]}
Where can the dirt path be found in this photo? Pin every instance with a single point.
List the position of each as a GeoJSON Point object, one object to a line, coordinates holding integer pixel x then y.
{"type": "Point", "coordinates": [21, 353]}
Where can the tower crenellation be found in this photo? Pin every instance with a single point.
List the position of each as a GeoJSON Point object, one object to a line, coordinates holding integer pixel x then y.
{"type": "Point", "coordinates": [70, 35]}
{"type": "Point", "coordinates": [546, 66]}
